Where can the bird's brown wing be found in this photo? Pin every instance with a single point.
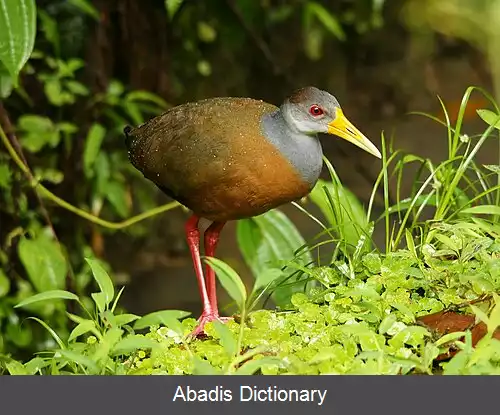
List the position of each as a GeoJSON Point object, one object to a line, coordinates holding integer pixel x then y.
{"type": "Point", "coordinates": [212, 157]}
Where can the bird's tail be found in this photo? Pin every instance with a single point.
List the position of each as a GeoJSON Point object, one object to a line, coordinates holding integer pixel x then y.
{"type": "Point", "coordinates": [129, 138]}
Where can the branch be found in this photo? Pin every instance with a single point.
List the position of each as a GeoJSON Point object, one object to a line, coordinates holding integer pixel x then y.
{"type": "Point", "coordinates": [43, 191]}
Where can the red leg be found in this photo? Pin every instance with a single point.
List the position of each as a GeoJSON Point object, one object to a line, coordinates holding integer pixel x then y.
{"type": "Point", "coordinates": [193, 240]}
{"type": "Point", "coordinates": [211, 240]}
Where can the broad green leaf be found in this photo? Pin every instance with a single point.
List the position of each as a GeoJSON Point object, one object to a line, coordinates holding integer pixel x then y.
{"type": "Point", "coordinates": [227, 339]}
{"type": "Point", "coordinates": [266, 277]}
{"type": "Point", "coordinates": [48, 295]}
{"type": "Point", "coordinates": [16, 368]}
{"type": "Point", "coordinates": [36, 364]}
{"type": "Point", "coordinates": [483, 210]}
{"type": "Point", "coordinates": [132, 343]}
{"type": "Point", "coordinates": [490, 117]}
{"type": "Point", "coordinates": [93, 144]}
{"type": "Point", "coordinates": [103, 280]}
{"type": "Point", "coordinates": [44, 263]}
{"type": "Point", "coordinates": [159, 317]}
{"type": "Point", "coordinates": [17, 34]}
{"type": "Point", "coordinates": [279, 242]}
{"type": "Point", "coordinates": [82, 328]}
{"type": "Point", "coordinates": [230, 280]}
{"type": "Point", "coordinates": [4, 284]}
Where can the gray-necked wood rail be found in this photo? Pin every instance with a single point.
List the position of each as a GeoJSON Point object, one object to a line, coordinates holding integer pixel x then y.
{"type": "Point", "coordinates": [233, 158]}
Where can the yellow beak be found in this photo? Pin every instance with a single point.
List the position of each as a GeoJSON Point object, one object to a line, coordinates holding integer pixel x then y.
{"type": "Point", "coordinates": [343, 128]}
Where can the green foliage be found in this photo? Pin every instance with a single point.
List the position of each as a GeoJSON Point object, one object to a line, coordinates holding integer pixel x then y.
{"type": "Point", "coordinates": [357, 313]}
{"type": "Point", "coordinates": [364, 325]}
{"type": "Point", "coordinates": [269, 243]}
{"type": "Point", "coordinates": [17, 37]}
{"type": "Point", "coordinates": [50, 134]}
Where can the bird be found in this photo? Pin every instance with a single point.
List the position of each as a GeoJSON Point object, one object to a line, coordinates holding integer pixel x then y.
{"type": "Point", "coordinates": [231, 158]}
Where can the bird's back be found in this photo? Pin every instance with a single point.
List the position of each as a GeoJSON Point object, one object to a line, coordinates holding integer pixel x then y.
{"type": "Point", "coordinates": [212, 157]}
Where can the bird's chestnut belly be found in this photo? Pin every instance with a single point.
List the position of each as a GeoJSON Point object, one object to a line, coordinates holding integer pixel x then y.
{"type": "Point", "coordinates": [247, 190]}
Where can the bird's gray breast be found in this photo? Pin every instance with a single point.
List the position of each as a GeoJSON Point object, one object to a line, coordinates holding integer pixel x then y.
{"type": "Point", "coordinates": [302, 151]}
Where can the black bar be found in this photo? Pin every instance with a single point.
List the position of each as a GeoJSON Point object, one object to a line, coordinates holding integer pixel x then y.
{"type": "Point", "coordinates": [350, 395]}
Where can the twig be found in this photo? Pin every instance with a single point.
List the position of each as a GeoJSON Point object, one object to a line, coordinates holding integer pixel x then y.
{"type": "Point", "coordinates": [9, 130]}
{"type": "Point", "coordinates": [80, 212]}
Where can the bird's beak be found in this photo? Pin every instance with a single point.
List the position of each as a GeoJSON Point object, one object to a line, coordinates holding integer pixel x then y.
{"type": "Point", "coordinates": [343, 128]}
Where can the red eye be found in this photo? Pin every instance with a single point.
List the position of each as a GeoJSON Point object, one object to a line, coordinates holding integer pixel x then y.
{"type": "Point", "coordinates": [315, 111]}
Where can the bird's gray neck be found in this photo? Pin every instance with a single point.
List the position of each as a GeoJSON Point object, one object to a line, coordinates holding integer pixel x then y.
{"type": "Point", "coordinates": [303, 151]}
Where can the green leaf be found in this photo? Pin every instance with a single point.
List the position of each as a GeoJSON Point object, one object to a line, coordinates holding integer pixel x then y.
{"type": "Point", "coordinates": [483, 210]}
{"type": "Point", "coordinates": [48, 295]}
{"type": "Point", "coordinates": [343, 211]}
{"type": "Point", "coordinates": [103, 280]}
{"type": "Point", "coordinates": [230, 280]}
{"type": "Point", "coordinates": [16, 368]}
{"type": "Point", "coordinates": [17, 34]}
{"type": "Point", "coordinates": [266, 277]}
{"type": "Point", "coordinates": [5, 176]}
{"type": "Point", "coordinates": [159, 317]}
{"type": "Point", "coordinates": [4, 284]}
{"type": "Point", "coordinates": [203, 367]}
{"type": "Point", "coordinates": [78, 358]}
{"type": "Point", "coordinates": [132, 343]}
{"type": "Point", "coordinates": [146, 96]}
{"type": "Point", "coordinates": [86, 7]}
{"type": "Point", "coordinates": [227, 340]}
{"type": "Point", "coordinates": [100, 301]}
{"type": "Point", "coordinates": [51, 331]}
{"type": "Point", "coordinates": [44, 263]}
{"type": "Point", "coordinates": [122, 319]}
{"type": "Point", "coordinates": [252, 366]}
{"type": "Point", "coordinates": [116, 193]}
{"type": "Point", "coordinates": [269, 240]}
{"type": "Point", "coordinates": [50, 30]}
{"type": "Point", "coordinates": [93, 144]}
{"type": "Point", "coordinates": [490, 118]}
{"type": "Point", "coordinates": [172, 7]}
{"type": "Point", "coordinates": [329, 21]}
{"type": "Point", "coordinates": [38, 132]}
{"type": "Point", "coordinates": [6, 84]}
{"type": "Point", "coordinates": [77, 88]}
{"type": "Point", "coordinates": [36, 364]}
{"type": "Point", "coordinates": [82, 328]}
{"type": "Point", "coordinates": [480, 314]}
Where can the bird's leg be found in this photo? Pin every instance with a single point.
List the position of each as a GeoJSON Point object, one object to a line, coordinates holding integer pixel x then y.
{"type": "Point", "coordinates": [211, 240]}
{"type": "Point", "coordinates": [193, 240]}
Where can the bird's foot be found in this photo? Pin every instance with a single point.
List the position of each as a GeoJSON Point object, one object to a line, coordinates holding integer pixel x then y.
{"type": "Point", "coordinates": [204, 319]}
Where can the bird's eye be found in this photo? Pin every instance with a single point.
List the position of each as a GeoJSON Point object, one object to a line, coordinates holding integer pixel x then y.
{"type": "Point", "coordinates": [315, 111]}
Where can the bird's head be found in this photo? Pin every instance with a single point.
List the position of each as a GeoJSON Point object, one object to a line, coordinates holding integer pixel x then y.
{"type": "Point", "coordinates": [310, 110]}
